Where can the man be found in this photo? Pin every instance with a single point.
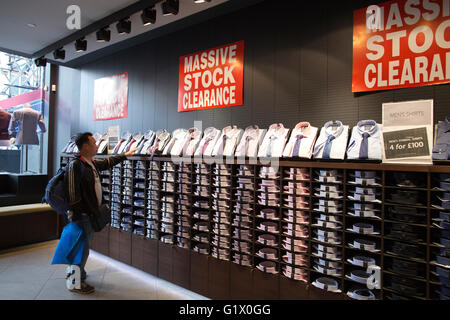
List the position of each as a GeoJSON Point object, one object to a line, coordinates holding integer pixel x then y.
{"type": "Point", "coordinates": [85, 192]}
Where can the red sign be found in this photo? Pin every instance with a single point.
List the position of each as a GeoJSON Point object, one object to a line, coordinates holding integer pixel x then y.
{"type": "Point", "coordinates": [111, 97]}
{"type": "Point", "coordinates": [400, 44]}
{"type": "Point", "coordinates": [212, 78]}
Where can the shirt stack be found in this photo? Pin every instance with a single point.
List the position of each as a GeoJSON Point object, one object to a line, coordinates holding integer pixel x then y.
{"type": "Point", "coordinates": [167, 218]}
{"type": "Point", "coordinates": [268, 220]}
{"type": "Point", "coordinates": [153, 196]}
{"type": "Point", "coordinates": [201, 227]}
{"type": "Point", "coordinates": [201, 216]}
{"type": "Point", "coordinates": [295, 226]}
{"type": "Point", "coordinates": [243, 216]}
{"type": "Point", "coordinates": [168, 177]}
{"type": "Point", "coordinates": [202, 181]}
{"type": "Point", "coordinates": [139, 198]}
{"type": "Point", "coordinates": [116, 191]}
{"type": "Point", "coordinates": [441, 227]}
{"type": "Point", "coordinates": [222, 206]}
{"type": "Point", "coordinates": [363, 212]}
{"type": "Point", "coordinates": [327, 223]}
{"type": "Point", "coordinates": [404, 239]}
{"type": "Point", "coordinates": [127, 196]}
{"type": "Point", "coordinates": [183, 212]}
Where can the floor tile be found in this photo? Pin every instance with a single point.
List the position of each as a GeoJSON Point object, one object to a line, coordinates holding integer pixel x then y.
{"type": "Point", "coordinates": [27, 273]}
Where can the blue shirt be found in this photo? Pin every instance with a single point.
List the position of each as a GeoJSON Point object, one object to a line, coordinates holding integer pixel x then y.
{"type": "Point", "coordinates": [440, 150]}
{"type": "Point", "coordinates": [374, 140]}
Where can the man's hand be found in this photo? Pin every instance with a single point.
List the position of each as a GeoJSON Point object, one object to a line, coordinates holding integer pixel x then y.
{"type": "Point", "coordinates": [131, 152]}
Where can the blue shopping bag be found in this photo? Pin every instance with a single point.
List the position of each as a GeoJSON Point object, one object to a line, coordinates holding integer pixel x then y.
{"type": "Point", "coordinates": [70, 246]}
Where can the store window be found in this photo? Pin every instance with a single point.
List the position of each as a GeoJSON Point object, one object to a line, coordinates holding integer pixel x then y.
{"type": "Point", "coordinates": [23, 125]}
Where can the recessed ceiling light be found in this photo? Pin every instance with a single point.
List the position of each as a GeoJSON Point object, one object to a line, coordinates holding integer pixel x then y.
{"type": "Point", "coordinates": [31, 25]}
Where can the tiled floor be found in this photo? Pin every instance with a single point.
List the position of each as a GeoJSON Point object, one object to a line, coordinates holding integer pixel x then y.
{"type": "Point", "coordinates": [26, 273]}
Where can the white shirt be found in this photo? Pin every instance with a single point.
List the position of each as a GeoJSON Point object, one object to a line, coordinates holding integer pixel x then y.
{"type": "Point", "coordinates": [162, 139]}
{"type": "Point", "coordinates": [210, 136]}
{"type": "Point", "coordinates": [138, 139]}
{"type": "Point", "coordinates": [373, 141]}
{"type": "Point", "coordinates": [98, 185]}
{"type": "Point", "coordinates": [338, 145]}
{"type": "Point", "coordinates": [278, 134]}
{"type": "Point", "coordinates": [175, 145]}
{"type": "Point", "coordinates": [255, 136]}
{"type": "Point", "coordinates": [306, 143]}
{"type": "Point", "coordinates": [127, 136]}
{"type": "Point", "coordinates": [192, 140]}
{"type": "Point", "coordinates": [233, 134]}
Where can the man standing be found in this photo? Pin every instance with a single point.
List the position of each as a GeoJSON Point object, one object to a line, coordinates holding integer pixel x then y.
{"type": "Point", "coordinates": [85, 192]}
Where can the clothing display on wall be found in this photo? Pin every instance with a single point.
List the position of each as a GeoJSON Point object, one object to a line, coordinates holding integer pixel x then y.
{"type": "Point", "coordinates": [332, 141]}
{"type": "Point", "coordinates": [259, 217]}
{"type": "Point", "coordinates": [23, 126]}
{"type": "Point", "coordinates": [250, 142]}
{"type": "Point", "coordinates": [228, 141]}
{"type": "Point", "coordinates": [274, 141]}
{"type": "Point", "coordinates": [301, 143]}
{"type": "Point", "coordinates": [365, 141]}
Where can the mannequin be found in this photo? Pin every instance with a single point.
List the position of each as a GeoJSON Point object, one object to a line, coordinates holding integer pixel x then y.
{"type": "Point", "coordinates": [5, 118]}
{"type": "Point", "coordinates": [23, 125]}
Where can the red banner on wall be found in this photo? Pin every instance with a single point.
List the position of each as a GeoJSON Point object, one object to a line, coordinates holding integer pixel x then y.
{"type": "Point", "coordinates": [212, 78]}
{"type": "Point", "coordinates": [400, 44]}
{"type": "Point", "coordinates": [111, 97]}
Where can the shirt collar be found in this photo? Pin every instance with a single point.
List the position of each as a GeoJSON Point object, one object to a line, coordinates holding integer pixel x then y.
{"type": "Point", "coordinates": [277, 129]}
{"type": "Point", "coordinates": [162, 135]}
{"type": "Point", "coordinates": [328, 125]}
{"type": "Point", "coordinates": [193, 132]}
{"type": "Point", "coordinates": [210, 133]}
{"type": "Point", "coordinates": [149, 134]}
{"type": "Point", "coordinates": [252, 131]}
{"type": "Point", "coordinates": [230, 131]}
{"type": "Point", "coordinates": [304, 128]}
{"type": "Point", "coordinates": [371, 123]}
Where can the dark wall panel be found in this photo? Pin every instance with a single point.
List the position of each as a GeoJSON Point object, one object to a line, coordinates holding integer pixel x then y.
{"type": "Point", "coordinates": [298, 67]}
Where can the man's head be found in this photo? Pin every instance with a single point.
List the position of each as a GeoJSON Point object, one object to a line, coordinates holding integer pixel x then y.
{"type": "Point", "coordinates": [86, 144]}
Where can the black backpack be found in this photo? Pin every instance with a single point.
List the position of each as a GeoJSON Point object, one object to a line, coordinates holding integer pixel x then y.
{"type": "Point", "coordinates": [56, 192]}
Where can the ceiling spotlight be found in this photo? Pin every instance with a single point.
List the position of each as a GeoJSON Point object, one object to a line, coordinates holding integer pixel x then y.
{"type": "Point", "coordinates": [148, 16]}
{"type": "Point", "coordinates": [170, 7]}
{"type": "Point", "coordinates": [123, 26]}
{"type": "Point", "coordinates": [201, 1]}
{"type": "Point", "coordinates": [80, 45]}
{"type": "Point", "coordinates": [40, 62]}
{"type": "Point", "coordinates": [59, 54]}
{"type": "Point", "coordinates": [103, 35]}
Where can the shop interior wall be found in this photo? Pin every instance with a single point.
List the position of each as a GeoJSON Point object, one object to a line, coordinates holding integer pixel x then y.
{"type": "Point", "coordinates": [298, 67]}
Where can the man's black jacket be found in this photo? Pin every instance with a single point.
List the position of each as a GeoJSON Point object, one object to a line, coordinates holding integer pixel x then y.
{"type": "Point", "coordinates": [80, 183]}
